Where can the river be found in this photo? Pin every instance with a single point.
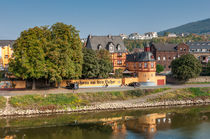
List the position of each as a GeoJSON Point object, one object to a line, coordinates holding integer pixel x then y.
{"type": "Point", "coordinates": [158, 123]}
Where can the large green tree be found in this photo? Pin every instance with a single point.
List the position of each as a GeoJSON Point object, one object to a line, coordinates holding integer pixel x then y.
{"type": "Point", "coordinates": [105, 63]}
{"type": "Point", "coordinates": [28, 60]}
{"type": "Point", "coordinates": [53, 53]}
{"type": "Point", "coordinates": [64, 53]}
{"type": "Point", "coordinates": [90, 67]}
{"type": "Point", "coordinates": [186, 67]}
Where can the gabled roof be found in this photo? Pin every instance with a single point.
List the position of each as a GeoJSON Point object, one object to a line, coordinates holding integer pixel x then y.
{"type": "Point", "coordinates": [7, 42]}
{"type": "Point", "coordinates": [164, 47]}
{"type": "Point", "coordinates": [94, 41]}
{"type": "Point", "coordinates": [199, 45]}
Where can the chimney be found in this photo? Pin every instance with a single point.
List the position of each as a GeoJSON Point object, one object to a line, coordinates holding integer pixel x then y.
{"type": "Point", "coordinates": [89, 36]}
{"type": "Point", "coordinates": [109, 36]}
{"type": "Point", "coordinates": [147, 48]}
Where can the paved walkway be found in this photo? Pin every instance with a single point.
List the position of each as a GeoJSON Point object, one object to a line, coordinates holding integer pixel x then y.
{"type": "Point", "coordinates": [63, 90]}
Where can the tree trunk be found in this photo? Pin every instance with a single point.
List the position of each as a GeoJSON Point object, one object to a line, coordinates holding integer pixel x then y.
{"type": "Point", "coordinates": [59, 85]}
{"type": "Point", "coordinates": [34, 84]}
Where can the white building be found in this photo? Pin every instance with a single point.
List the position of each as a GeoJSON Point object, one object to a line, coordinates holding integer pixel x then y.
{"type": "Point", "coordinates": [170, 35]}
{"type": "Point", "coordinates": [150, 35]}
{"type": "Point", "coordinates": [123, 36]}
{"type": "Point", "coordinates": [135, 36]}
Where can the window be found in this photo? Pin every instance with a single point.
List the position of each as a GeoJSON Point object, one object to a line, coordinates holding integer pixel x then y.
{"type": "Point", "coordinates": [174, 57]}
{"type": "Point", "coordinates": [119, 62]}
{"type": "Point", "coordinates": [6, 56]}
{"type": "Point", "coordinates": [184, 49]}
{"type": "Point", "coordinates": [111, 48]}
{"type": "Point", "coordinates": [151, 75]}
{"type": "Point", "coordinates": [118, 47]}
{"type": "Point", "coordinates": [203, 50]}
{"type": "Point", "coordinates": [99, 47]}
{"type": "Point", "coordinates": [152, 65]}
{"type": "Point", "coordinates": [180, 49]}
{"type": "Point", "coordinates": [119, 54]}
{"type": "Point", "coordinates": [126, 64]}
{"type": "Point", "coordinates": [134, 65]}
{"type": "Point", "coordinates": [159, 58]}
{"type": "Point", "coordinates": [144, 75]}
{"type": "Point", "coordinates": [164, 58]}
{"type": "Point", "coordinates": [169, 58]}
{"type": "Point", "coordinates": [140, 65]}
{"type": "Point", "coordinates": [145, 65]}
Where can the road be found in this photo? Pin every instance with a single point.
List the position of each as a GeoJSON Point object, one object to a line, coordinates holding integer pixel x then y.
{"type": "Point", "coordinates": [63, 90]}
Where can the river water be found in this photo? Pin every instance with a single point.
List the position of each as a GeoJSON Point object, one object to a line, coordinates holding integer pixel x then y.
{"type": "Point", "coordinates": [161, 123]}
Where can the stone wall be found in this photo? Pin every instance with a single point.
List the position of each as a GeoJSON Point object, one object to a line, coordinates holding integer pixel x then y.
{"type": "Point", "coordinates": [200, 79]}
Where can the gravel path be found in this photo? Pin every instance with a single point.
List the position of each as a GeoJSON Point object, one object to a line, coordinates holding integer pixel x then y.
{"type": "Point", "coordinates": [63, 90]}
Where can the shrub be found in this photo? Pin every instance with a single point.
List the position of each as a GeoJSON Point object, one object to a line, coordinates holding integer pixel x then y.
{"type": "Point", "coordinates": [2, 102]}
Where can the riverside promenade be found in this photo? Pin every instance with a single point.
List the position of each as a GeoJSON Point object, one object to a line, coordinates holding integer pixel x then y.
{"type": "Point", "coordinates": [85, 90]}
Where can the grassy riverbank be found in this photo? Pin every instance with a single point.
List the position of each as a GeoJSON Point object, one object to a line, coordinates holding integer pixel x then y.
{"type": "Point", "coordinates": [2, 102]}
{"type": "Point", "coordinates": [185, 94]}
{"type": "Point", "coordinates": [62, 101]}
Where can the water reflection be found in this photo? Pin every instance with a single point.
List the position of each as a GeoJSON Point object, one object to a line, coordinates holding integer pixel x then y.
{"type": "Point", "coordinates": [186, 123]}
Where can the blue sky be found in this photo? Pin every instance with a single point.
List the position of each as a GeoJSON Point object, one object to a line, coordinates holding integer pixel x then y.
{"type": "Point", "coordinates": [100, 17]}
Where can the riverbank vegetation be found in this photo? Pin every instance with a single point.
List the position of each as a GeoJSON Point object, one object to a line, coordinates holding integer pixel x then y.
{"type": "Point", "coordinates": [62, 101]}
{"type": "Point", "coordinates": [184, 94]}
{"type": "Point", "coordinates": [2, 102]}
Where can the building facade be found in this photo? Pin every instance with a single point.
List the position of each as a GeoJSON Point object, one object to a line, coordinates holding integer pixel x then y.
{"type": "Point", "coordinates": [6, 51]}
{"type": "Point", "coordinates": [144, 66]}
{"type": "Point", "coordinates": [115, 46]}
{"type": "Point", "coordinates": [165, 53]}
{"type": "Point", "coordinates": [201, 50]}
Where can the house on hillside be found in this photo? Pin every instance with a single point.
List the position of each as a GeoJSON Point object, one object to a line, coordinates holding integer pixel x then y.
{"type": "Point", "coordinates": [114, 44]}
{"type": "Point", "coordinates": [165, 53]}
{"type": "Point", "coordinates": [171, 35]}
{"type": "Point", "coordinates": [150, 35]}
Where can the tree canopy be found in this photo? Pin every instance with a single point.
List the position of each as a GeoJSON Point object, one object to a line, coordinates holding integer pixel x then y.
{"type": "Point", "coordinates": [105, 63]}
{"type": "Point", "coordinates": [97, 64]}
{"type": "Point", "coordinates": [159, 68]}
{"type": "Point", "coordinates": [186, 67]}
{"type": "Point", "coordinates": [53, 53]}
{"type": "Point", "coordinates": [90, 67]}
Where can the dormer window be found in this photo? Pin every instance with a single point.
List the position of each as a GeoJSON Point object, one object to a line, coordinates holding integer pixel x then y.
{"type": "Point", "coordinates": [118, 47]}
{"type": "Point", "coordinates": [99, 47]}
{"type": "Point", "coordinates": [111, 48]}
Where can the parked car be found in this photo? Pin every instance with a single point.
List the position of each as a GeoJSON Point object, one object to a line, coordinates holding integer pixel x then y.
{"type": "Point", "coordinates": [135, 84]}
{"type": "Point", "coordinates": [74, 86]}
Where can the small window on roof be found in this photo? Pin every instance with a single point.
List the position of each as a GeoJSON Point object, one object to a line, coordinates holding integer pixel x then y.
{"type": "Point", "coordinates": [99, 47]}
{"type": "Point", "coordinates": [118, 47]}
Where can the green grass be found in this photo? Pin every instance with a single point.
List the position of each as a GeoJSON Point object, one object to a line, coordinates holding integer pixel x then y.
{"type": "Point", "coordinates": [2, 102]}
{"type": "Point", "coordinates": [62, 101]}
{"type": "Point", "coordinates": [185, 94]}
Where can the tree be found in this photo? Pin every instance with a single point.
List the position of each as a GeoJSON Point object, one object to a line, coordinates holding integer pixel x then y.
{"type": "Point", "coordinates": [90, 67]}
{"type": "Point", "coordinates": [53, 53]}
{"type": "Point", "coordinates": [159, 68]}
{"type": "Point", "coordinates": [118, 73]}
{"type": "Point", "coordinates": [186, 67]}
{"type": "Point", "coordinates": [64, 53]}
{"type": "Point", "coordinates": [105, 63]}
{"type": "Point", "coordinates": [29, 57]}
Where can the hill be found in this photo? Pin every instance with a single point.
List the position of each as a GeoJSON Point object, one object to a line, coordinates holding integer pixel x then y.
{"type": "Point", "coordinates": [198, 27]}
